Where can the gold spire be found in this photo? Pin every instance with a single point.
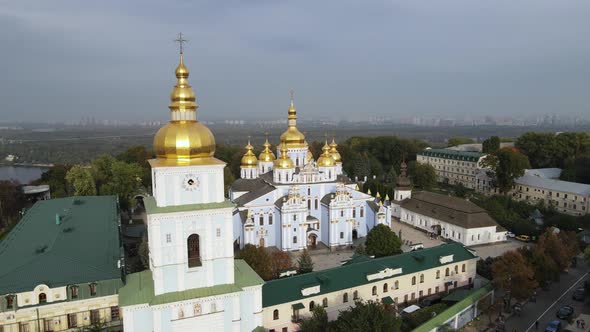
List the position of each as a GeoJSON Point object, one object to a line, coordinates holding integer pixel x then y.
{"type": "Point", "coordinates": [292, 137]}
{"type": "Point", "coordinates": [249, 159]}
{"type": "Point", "coordinates": [334, 153]}
{"type": "Point", "coordinates": [184, 138]}
{"type": "Point", "coordinates": [326, 160]}
{"type": "Point", "coordinates": [284, 161]}
{"type": "Point", "coordinates": [266, 154]}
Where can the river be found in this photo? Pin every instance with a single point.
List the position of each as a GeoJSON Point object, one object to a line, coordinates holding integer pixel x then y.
{"type": "Point", "coordinates": [23, 174]}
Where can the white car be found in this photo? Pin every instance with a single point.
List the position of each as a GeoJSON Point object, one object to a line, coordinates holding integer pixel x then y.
{"type": "Point", "coordinates": [510, 234]}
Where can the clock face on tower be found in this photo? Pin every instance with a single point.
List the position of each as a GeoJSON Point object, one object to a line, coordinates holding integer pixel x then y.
{"type": "Point", "coordinates": [191, 182]}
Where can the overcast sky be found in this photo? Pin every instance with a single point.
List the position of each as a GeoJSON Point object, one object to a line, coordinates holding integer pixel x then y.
{"type": "Point", "coordinates": [112, 59]}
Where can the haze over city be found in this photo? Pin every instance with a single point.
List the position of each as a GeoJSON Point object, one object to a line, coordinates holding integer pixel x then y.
{"type": "Point", "coordinates": [66, 60]}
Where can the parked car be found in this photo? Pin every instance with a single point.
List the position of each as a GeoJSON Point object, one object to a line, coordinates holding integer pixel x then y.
{"type": "Point", "coordinates": [565, 312]}
{"type": "Point", "coordinates": [523, 238]}
{"type": "Point", "coordinates": [428, 301]}
{"type": "Point", "coordinates": [579, 294]}
{"type": "Point", "coordinates": [553, 326]}
{"type": "Point", "coordinates": [510, 234]}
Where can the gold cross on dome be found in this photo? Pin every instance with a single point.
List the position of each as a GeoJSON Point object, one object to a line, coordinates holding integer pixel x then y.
{"type": "Point", "coordinates": [292, 94]}
{"type": "Point", "coordinates": [180, 41]}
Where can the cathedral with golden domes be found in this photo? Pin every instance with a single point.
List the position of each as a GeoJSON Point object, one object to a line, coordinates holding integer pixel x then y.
{"type": "Point", "coordinates": [294, 202]}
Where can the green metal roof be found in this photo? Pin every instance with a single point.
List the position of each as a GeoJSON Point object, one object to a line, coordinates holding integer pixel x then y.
{"type": "Point", "coordinates": [139, 288]}
{"type": "Point", "coordinates": [355, 274]}
{"type": "Point", "coordinates": [457, 295]}
{"type": "Point", "coordinates": [451, 154]}
{"type": "Point", "coordinates": [440, 319]}
{"type": "Point", "coordinates": [298, 306]}
{"type": "Point", "coordinates": [152, 208]}
{"type": "Point", "coordinates": [387, 300]}
{"type": "Point", "coordinates": [61, 242]}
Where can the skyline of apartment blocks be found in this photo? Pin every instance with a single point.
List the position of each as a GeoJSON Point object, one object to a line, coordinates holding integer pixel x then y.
{"type": "Point", "coordinates": [454, 167]}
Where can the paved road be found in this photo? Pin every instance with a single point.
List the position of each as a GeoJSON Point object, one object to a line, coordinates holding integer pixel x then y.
{"type": "Point", "coordinates": [548, 302]}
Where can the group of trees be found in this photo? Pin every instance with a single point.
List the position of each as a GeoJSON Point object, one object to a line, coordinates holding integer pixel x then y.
{"type": "Point", "coordinates": [362, 316]}
{"type": "Point", "coordinates": [506, 165]}
{"type": "Point", "coordinates": [569, 151]}
{"type": "Point", "coordinates": [270, 264]}
{"type": "Point", "coordinates": [12, 201]}
{"type": "Point", "coordinates": [519, 272]}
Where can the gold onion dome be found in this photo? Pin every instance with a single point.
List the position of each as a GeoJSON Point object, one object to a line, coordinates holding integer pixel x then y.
{"type": "Point", "coordinates": [249, 158]}
{"type": "Point", "coordinates": [334, 153]}
{"type": "Point", "coordinates": [266, 154]}
{"type": "Point", "coordinates": [326, 160]}
{"type": "Point", "coordinates": [292, 137]}
{"type": "Point", "coordinates": [184, 138]}
{"type": "Point", "coordinates": [284, 162]}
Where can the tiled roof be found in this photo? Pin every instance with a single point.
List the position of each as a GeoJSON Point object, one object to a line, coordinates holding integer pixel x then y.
{"type": "Point", "coordinates": [451, 154]}
{"type": "Point", "coordinates": [354, 274]}
{"type": "Point", "coordinates": [139, 288]}
{"type": "Point", "coordinates": [84, 247]}
{"type": "Point", "coordinates": [453, 210]}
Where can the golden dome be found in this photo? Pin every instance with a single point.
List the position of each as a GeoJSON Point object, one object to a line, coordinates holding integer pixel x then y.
{"type": "Point", "coordinates": [326, 160]}
{"type": "Point", "coordinates": [184, 138]}
{"type": "Point", "coordinates": [292, 137]}
{"type": "Point", "coordinates": [284, 161]}
{"type": "Point", "coordinates": [266, 154]}
{"type": "Point", "coordinates": [334, 153]}
{"type": "Point", "coordinates": [249, 159]}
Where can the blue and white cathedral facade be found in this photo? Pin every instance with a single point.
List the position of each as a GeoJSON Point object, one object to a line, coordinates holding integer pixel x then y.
{"type": "Point", "coordinates": [293, 201]}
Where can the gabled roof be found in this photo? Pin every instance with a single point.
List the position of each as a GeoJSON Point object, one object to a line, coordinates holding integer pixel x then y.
{"type": "Point", "coordinates": [263, 189]}
{"type": "Point", "coordinates": [355, 272]}
{"type": "Point", "coordinates": [83, 247]}
{"type": "Point", "coordinates": [327, 199]}
{"type": "Point", "coordinates": [453, 210]}
{"type": "Point", "coordinates": [247, 184]}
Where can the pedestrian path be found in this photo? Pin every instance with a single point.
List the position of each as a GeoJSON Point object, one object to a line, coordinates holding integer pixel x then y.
{"type": "Point", "coordinates": [577, 324]}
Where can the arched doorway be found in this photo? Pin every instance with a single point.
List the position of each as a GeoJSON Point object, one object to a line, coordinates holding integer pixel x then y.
{"type": "Point", "coordinates": [261, 242]}
{"type": "Point", "coordinates": [312, 240]}
{"type": "Point", "coordinates": [437, 229]}
{"type": "Point", "coordinates": [355, 234]}
{"type": "Point", "coordinates": [194, 250]}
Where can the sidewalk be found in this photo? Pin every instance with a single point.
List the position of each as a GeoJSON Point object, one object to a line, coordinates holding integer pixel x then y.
{"type": "Point", "coordinates": [573, 327]}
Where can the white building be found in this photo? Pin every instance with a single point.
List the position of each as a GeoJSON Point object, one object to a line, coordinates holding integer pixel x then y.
{"type": "Point", "coordinates": [449, 217]}
{"type": "Point", "coordinates": [455, 166]}
{"type": "Point", "coordinates": [293, 202]}
{"type": "Point", "coordinates": [543, 185]}
{"type": "Point", "coordinates": [194, 283]}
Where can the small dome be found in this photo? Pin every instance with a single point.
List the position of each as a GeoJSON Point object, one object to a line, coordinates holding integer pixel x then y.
{"type": "Point", "coordinates": [266, 154]}
{"type": "Point", "coordinates": [249, 159]}
{"type": "Point", "coordinates": [284, 162]}
{"type": "Point", "coordinates": [326, 160]}
{"type": "Point", "coordinates": [334, 153]}
{"type": "Point", "coordinates": [184, 140]}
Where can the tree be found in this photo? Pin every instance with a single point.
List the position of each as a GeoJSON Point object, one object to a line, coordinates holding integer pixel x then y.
{"type": "Point", "coordinates": [587, 255]}
{"type": "Point", "coordinates": [560, 248]}
{"type": "Point", "coordinates": [366, 316]}
{"type": "Point", "coordinates": [423, 175]}
{"type": "Point", "coordinates": [540, 148]}
{"type": "Point", "coordinates": [80, 179]}
{"type": "Point", "coordinates": [543, 266]}
{"type": "Point", "coordinates": [12, 201]}
{"type": "Point", "coordinates": [304, 262]}
{"type": "Point", "coordinates": [454, 141]}
{"type": "Point", "coordinates": [360, 250]}
{"type": "Point", "coordinates": [423, 315]}
{"type": "Point", "coordinates": [491, 145]}
{"type": "Point", "coordinates": [144, 253]}
{"type": "Point", "coordinates": [513, 275]}
{"type": "Point", "coordinates": [258, 258]}
{"type": "Point", "coordinates": [124, 181]}
{"type": "Point", "coordinates": [506, 165]}
{"type": "Point", "coordinates": [382, 241]}
{"type": "Point", "coordinates": [460, 190]}
{"type": "Point", "coordinates": [281, 261]}
{"type": "Point", "coordinates": [318, 322]}
{"type": "Point", "coordinates": [55, 177]}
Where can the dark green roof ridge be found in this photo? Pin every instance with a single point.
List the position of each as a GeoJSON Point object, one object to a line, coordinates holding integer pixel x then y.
{"type": "Point", "coordinates": [152, 208]}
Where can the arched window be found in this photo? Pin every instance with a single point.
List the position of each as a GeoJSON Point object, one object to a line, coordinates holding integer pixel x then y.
{"type": "Point", "coordinates": [362, 212]}
{"type": "Point", "coordinates": [354, 212]}
{"type": "Point", "coordinates": [463, 268]}
{"type": "Point", "coordinates": [447, 272]}
{"type": "Point", "coordinates": [275, 314]}
{"type": "Point", "coordinates": [355, 295]}
{"type": "Point", "coordinates": [311, 305]}
{"type": "Point", "coordinates": [456, 269]}
{"type": "Point", "coordinates": [396, 284]}
{"type": "Point", "coordinates": [413, 280]}
{"type": "Point", "coordinates": [374, 290]}
{"type": "Point", "coordinates": [194, 252]}
{"type": "Point", "coordinates": [325, 302]}
{"type": "Point", "coordinates": [342, 213]}
{"type": "Point", "coordinates": [316, 203]}
{"type": "Point", "coordinates": [196, 309]}
{"type": "Point", "coordinates": [309, 204]}
{"type": "Point", "coordinates": [42, 298]}
{"type": "Point", "coordinates": [385, 287]}
{"type": "Point", "coordinates": [345, 298]}
{"type": "Point", "coordinates": [270, 219]}
{"type": "Point", "coordinates": [437, 274]}
{"type": "Point", "coordinates": [294, 239]}
{"type": "Point", "coordinates": [421, 278]}
{"type": "Point", "coordinates": [261, 219]}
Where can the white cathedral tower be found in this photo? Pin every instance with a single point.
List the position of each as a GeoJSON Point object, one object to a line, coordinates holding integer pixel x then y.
{"type": "Point", "coordinates": [195, 284]}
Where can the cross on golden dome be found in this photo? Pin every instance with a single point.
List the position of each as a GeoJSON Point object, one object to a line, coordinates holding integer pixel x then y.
{"type": "Point", "coordinates": [180, 41]}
